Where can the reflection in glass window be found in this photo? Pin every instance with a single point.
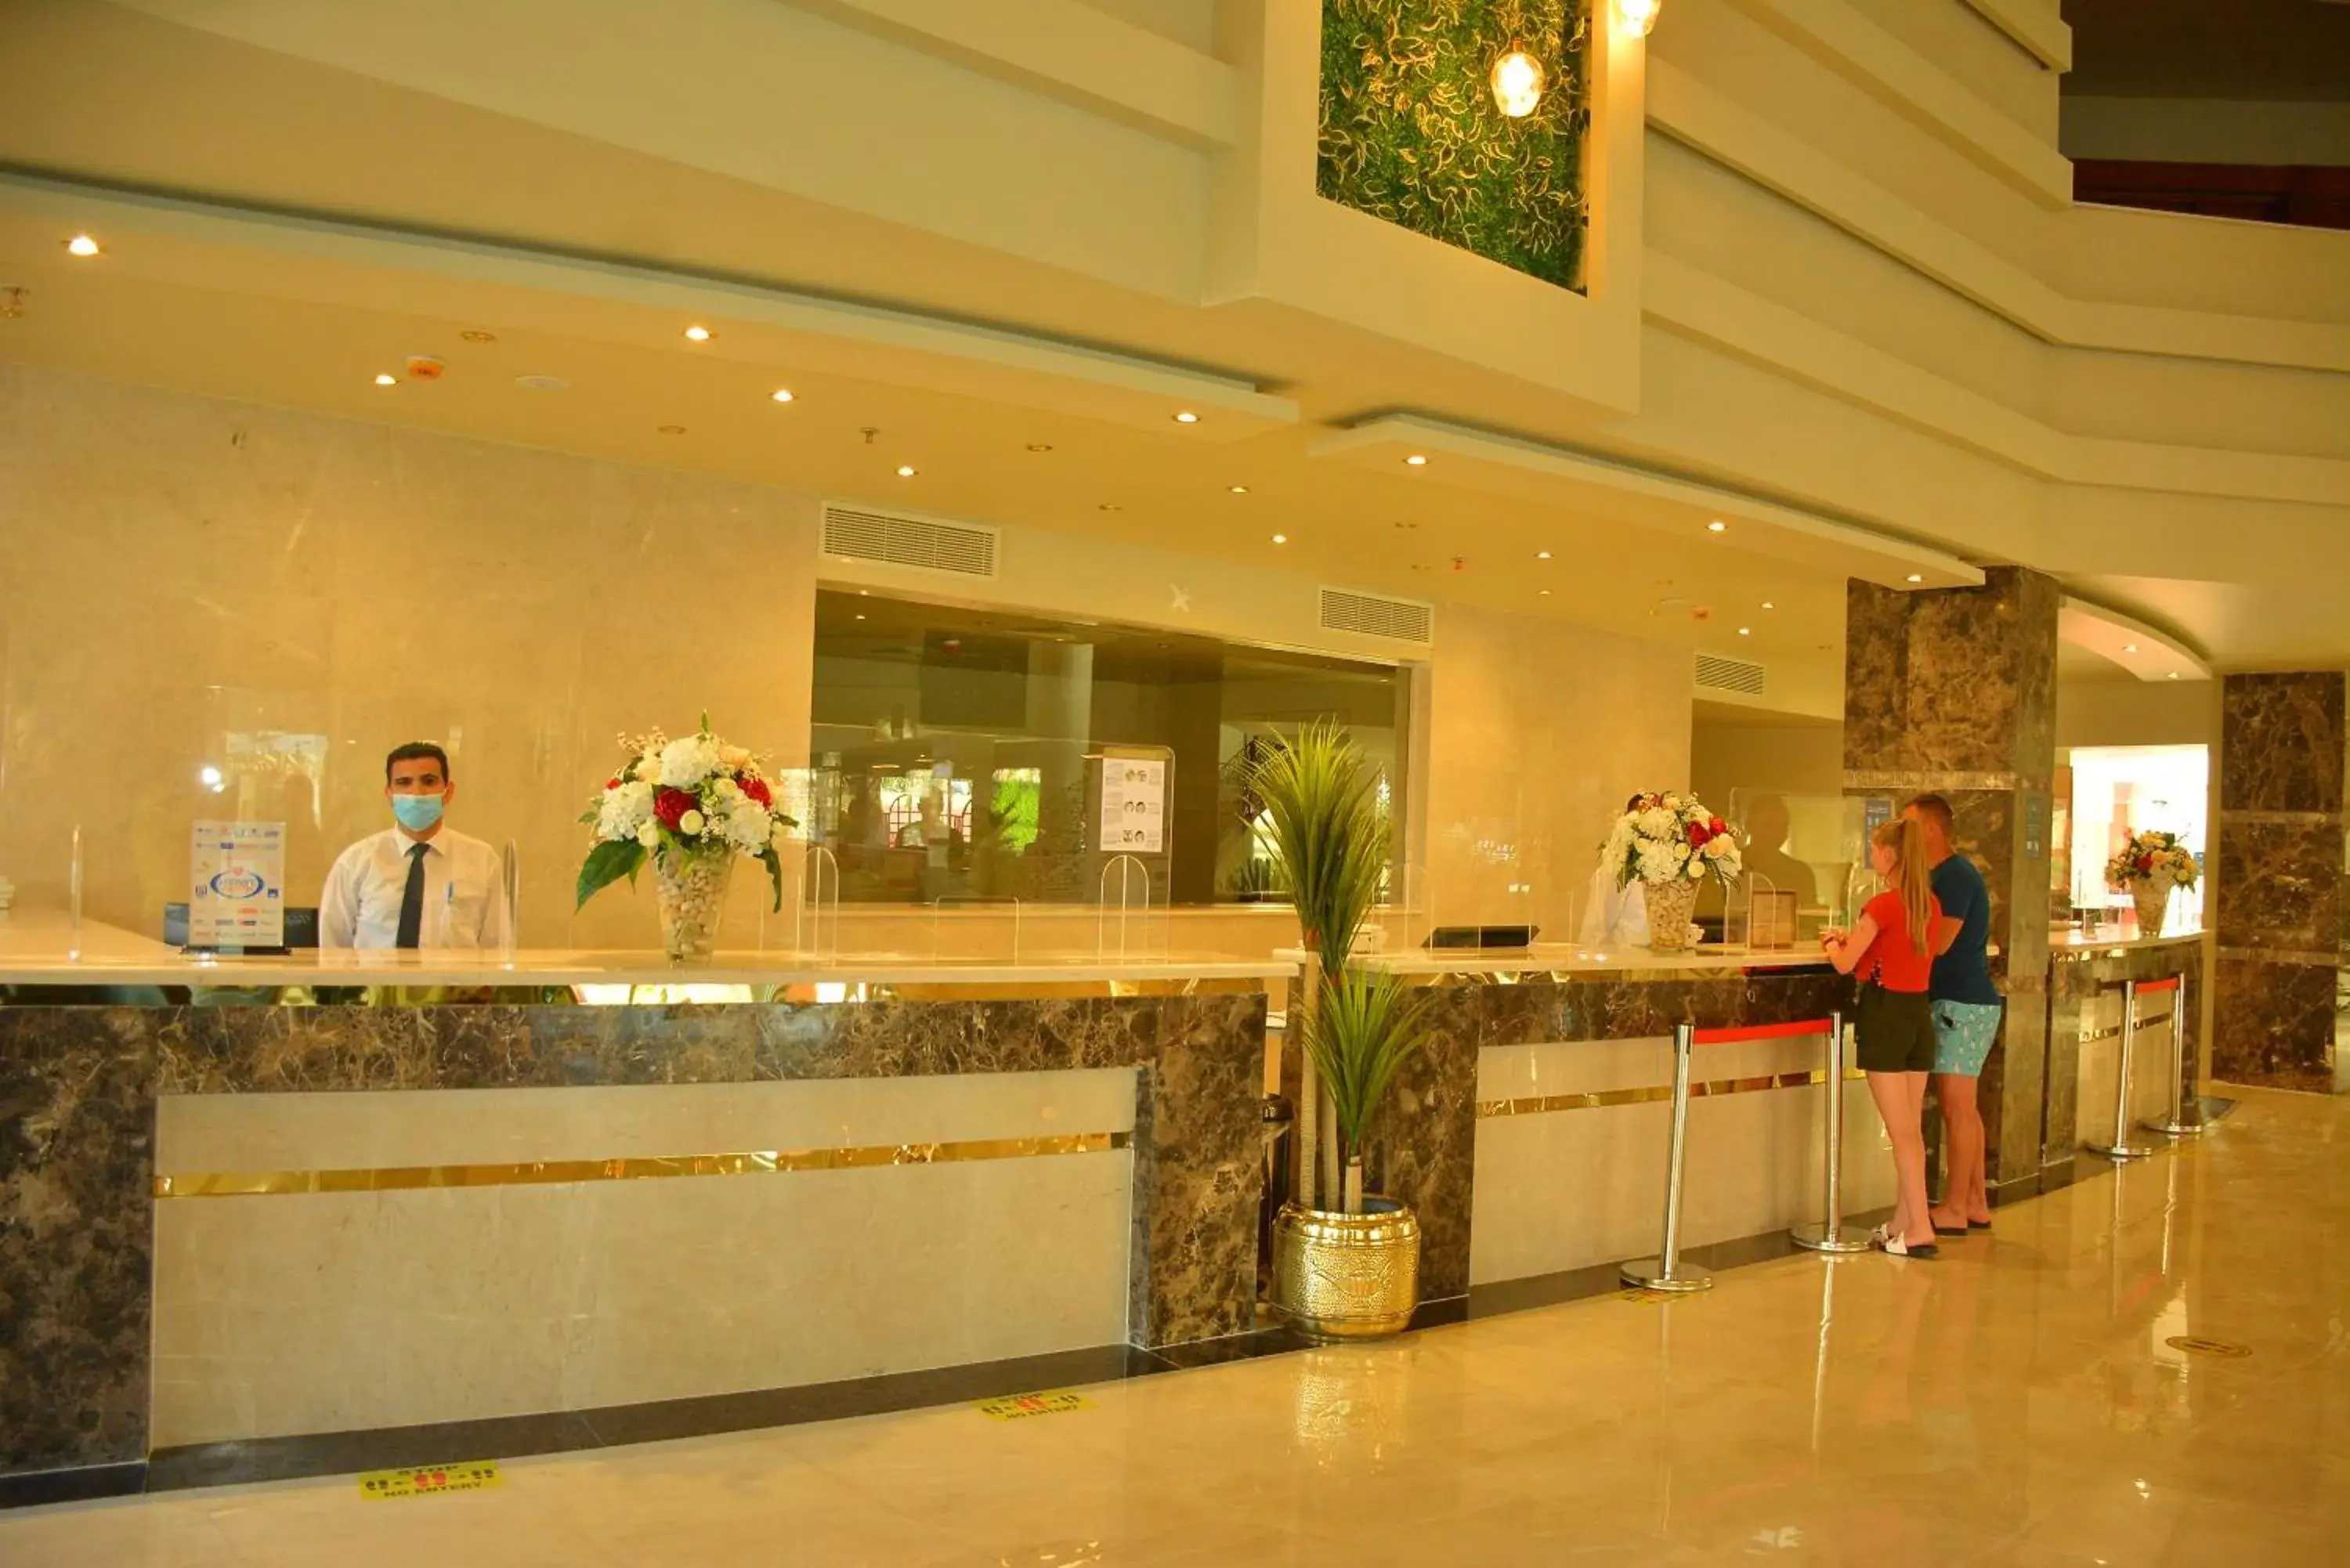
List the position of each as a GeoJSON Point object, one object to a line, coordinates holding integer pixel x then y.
{"type": "Point", "coordinates": [956, 751]}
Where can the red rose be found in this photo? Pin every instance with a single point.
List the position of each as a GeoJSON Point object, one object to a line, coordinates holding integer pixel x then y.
{"type": "Point", "coordinates": [1716, 828]}
{"type": "Point", "coordinates": [671, 805]}
{"type": "Point", "coordinates": [612, 783]}
{"type": "Point", "coordinates": [2146, 862]}
{"type": "Point", "coordinates": [1698, 835]}
{"type": "Point", "coordinates": [757, 788]}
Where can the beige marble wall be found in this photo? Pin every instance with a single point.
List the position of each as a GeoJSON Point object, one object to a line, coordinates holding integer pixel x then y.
{"type": "Point", "coordinates": [180, 571]}
{"type": "Point", "coordinates": [316, 1312]}
{"type": "Point", "coordinates": [1537, 734]}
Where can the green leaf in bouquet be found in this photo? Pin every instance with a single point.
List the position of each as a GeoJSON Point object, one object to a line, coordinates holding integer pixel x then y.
{"type": "Point", "coordinates": [606, 864]}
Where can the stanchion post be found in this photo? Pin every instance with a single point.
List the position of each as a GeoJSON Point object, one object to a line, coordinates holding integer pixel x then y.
{"type": "Point", "coordinates": [1828, 1235]}
{"type": "Point", "coordinates": [2121, 1148]}
{"type": "Point", "coordinates": [2177, 1125]}
{"type": "Point", "coordinates": [1666, 1272]}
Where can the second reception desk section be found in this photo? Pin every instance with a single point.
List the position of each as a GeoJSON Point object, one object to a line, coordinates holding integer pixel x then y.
{"type": "Point", "coordinates": [1530, 1136]}
{"type": "Point", "coordinates": [230, 1220]}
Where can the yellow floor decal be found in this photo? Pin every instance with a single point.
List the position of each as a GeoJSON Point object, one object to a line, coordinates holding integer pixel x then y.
{"type": "Point", "coordinates": [426, 1481]}
{"type": "Point", "coordinates": [1019, 1406]}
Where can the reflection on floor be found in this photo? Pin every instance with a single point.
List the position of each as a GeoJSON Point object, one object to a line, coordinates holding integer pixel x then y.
{"type": "Point", "coordinates": [2019, 1402]}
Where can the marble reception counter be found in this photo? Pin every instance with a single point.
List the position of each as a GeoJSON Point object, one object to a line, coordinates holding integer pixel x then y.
{"type": "Point", "coordinates": [2084, 1031]}
{"type": "Point", "coordinates": [1530, 1135]}
{"type": "Point", "coordinates": [221, 1224]}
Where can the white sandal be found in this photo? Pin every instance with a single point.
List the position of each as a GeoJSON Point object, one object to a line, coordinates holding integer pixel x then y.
{"type": "Point", "coordinates": [1893, 1246]}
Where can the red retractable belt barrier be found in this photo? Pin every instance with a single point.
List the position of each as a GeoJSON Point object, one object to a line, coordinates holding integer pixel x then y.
{"type": "Point", "coordinates": [2148, 987]}
{"type": "Point", "coordinates": [1801, 1027]}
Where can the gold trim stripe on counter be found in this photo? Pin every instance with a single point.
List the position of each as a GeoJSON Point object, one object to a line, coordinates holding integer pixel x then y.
{"type": "Point", "coordinates": [633, 1167]}
{"type": "Point", "coordinates": [1649, 1094]}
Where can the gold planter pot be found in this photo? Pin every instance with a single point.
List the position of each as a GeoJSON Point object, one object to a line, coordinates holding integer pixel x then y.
{"type": "Point", "coordinates": [1346, 1276]}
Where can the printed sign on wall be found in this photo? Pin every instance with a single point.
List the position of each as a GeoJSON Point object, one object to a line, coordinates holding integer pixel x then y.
{"type": "Point", "coordinates": [236, 884]}
{"type": "Point", "coordinates": [1134, 806]}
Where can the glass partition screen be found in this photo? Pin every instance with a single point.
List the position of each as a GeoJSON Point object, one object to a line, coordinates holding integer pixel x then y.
{"type": "Point", "coordinates": [958, 753]}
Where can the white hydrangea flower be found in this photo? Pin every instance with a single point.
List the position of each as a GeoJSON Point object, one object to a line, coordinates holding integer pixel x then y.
{"type": "Point", "coordinates": [688, 761]}
{"type": "Point", "coordinates": [748, 828]}
{"type": "Point", "coordinates": [624, 810]}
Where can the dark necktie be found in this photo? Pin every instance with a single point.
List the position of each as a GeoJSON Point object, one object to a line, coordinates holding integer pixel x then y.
{"type": "Point", "coordinates": [411, 899]}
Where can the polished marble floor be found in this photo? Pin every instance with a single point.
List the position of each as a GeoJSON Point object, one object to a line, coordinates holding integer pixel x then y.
{"type": "Point", "coordinates": [2018, 1402]}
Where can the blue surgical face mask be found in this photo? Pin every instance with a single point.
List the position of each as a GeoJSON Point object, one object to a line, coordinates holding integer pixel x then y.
{"type": "Point", "coordinates": [416, 812]}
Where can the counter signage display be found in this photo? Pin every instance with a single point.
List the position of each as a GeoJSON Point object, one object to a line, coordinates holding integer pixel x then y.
{"type": "Point", "coordinates": [1134, 806]}
{"type": "Point", "coordinates": [236, 884]}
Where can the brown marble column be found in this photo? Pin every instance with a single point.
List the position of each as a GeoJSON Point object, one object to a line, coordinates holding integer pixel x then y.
{"type": "Point", "coordinates": [1953, 691]}
{"type": "Point", "coordinates": [2277, 894]}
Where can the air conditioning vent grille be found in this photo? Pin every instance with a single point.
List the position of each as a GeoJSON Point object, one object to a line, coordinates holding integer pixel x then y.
{"type": "Point", "coordinates": [894, 539]}
{"type": "Point", "coordinates": [1715, 673]}
{"type": "Point", "coordinates": [1370, 615]}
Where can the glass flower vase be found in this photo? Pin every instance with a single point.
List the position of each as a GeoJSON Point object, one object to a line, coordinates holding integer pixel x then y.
{"type": "Point", "coordinates": [2153, 902]}
{"type": "Point", "coordinates": [1672, 906]}
{"type": "Point", "coordinates": [692, 893]}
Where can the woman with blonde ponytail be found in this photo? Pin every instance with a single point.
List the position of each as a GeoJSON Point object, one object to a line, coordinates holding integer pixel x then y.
{"type": "Point", "coordinates": [1891, 949]}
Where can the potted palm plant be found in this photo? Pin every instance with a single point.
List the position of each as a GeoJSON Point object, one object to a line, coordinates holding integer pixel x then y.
{"type": "Point", "coordinates": [1351, 1270]}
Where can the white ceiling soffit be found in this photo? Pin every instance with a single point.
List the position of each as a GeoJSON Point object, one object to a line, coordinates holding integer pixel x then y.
{"type": "Point", "coordinates": [1619, 492]}
{"type": "Point", "coordinates": [2142, 650]}
{"type": "Point", "coordinates": [241, 250]}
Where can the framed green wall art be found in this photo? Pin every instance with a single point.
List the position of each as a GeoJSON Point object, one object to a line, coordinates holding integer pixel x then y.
{"type": "Point", "coordinates": [1411, 132]}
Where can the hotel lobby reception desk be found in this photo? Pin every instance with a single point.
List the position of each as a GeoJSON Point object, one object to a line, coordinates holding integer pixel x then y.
{"type": "Point", "coordinates": [1530, 1135]}
{"type": "Point", "coordinates": [238, 1219]}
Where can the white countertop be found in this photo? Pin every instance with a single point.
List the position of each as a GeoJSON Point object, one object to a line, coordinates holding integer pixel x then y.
{"type": "Point", "coordinates": [1568, 958]}
{"type": "Point", "coordinates": [2114, 939]}
{"type": "Point", "coordinates": [36, 948]}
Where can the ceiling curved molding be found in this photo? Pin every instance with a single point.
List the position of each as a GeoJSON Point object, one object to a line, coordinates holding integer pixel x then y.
{"type": "Point", "coordinates": [2136, 647]}
{"type": "Point", "coordinates": [1615, 491]}
{"type": "Point", "coordinates": [327, 261]}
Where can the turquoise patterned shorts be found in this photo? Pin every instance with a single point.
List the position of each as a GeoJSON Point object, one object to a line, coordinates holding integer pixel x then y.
{"type": "Point", "coordinates": [1964, 1031]}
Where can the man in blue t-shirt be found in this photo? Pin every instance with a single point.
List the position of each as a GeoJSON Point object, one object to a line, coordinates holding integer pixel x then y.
{"type": "Point", "coordinates": [1966, 1014]}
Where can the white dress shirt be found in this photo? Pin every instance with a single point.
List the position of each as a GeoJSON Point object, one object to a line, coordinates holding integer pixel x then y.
{"type": "Point", "coordinates": [463, 905]}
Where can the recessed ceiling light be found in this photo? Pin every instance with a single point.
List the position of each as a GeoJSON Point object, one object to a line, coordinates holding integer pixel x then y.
{"type": "Point", "coordinates": [1767, 605]}
{"type": "Point", "coordinates": [543, 383]}
{"type": "Point", "coordinates": [1111, 506]}
{"type": "Point", "coordinates": [82, 245]}
{"type": "Point", "coordinates": [1542, 555]}
{"type": "Point", "coordinates": [697, 334]}
{"type": "Point", "coordinates": [2129, 647]}
{"type": "Point", "coordinates": [1717, 526]}
{"type": "Point", "coordinates": [1040, 446]}
{"type": "Point", "coordinates": [2172, 675]}
{"type": "Point", "coordinates": [1237, 489]}
{"type": "Point", "coordinates": [905, 471]}
{"type": "Point", "coordinates": [475, 335]}
{"type": "Point", "coordinates": [1746, 632]}
{"type": "Point", "coordinates": [1280, 538]}
{"type": "Point", "coordinates": [781, 395]}
{"type": "Point", "coordinates": [860, 616]}
{"type": "Point", "coordinates": [1186, 418]}
{"type": "Point", "coordinates": [1541, 592]}
{"type": "Point", "coordinates": [383, 380]}
{"type": "Point", "coordinates": [1917, 577]}
{"type": "Point", "coordinates": [1416, 461]}
{"type": "Point", "coordinates": [671, 429]}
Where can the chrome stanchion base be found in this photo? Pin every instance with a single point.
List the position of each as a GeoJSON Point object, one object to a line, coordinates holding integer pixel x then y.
{"type": "Point", "coordinates": [2122, 1151]}
{"type": "Point", "coordinates": [1648, 1275]}
{"type": "Point", "coordinates": [2173, 1129]}
{"type": "Point", "coordinates": [1815, 1237]}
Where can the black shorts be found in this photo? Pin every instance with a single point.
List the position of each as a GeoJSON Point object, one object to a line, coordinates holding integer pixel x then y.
{"type": "Point", "coordinates": [1895, 1030]}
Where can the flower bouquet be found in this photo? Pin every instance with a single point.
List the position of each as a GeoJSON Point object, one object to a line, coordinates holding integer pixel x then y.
{"type": "Point", "coordinates": [2148, 867]}
{"type": "Point", "coordinates": [695, 805]}
{"type": "Point", "coordinates": [1670, 844]}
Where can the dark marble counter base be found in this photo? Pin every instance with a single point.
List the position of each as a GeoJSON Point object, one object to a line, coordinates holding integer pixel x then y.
{"type": "Point", "coordinates": [78, 1087]}
{"type": "Point", "coordinates": [1424, 1141]}
{"type": "Point", "coordinates": [2073, 979]}
{"type": "Point", "coordinates": [2274, 1024]}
